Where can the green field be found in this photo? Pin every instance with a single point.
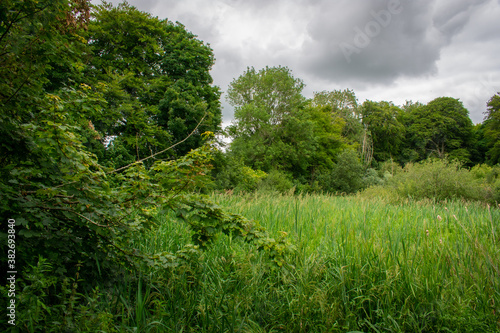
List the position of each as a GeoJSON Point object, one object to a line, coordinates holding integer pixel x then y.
{"type": "Point", "coordinates": [358, 265]}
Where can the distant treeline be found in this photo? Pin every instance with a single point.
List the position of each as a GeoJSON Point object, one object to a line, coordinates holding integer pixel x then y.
{"type": "Point", "coordinates": [331, 142]}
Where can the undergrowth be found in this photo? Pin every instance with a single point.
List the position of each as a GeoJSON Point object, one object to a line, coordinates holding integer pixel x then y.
{"type": "Point", "coordinates": [359, 265]}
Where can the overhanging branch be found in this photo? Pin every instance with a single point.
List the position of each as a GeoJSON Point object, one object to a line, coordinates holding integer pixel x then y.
{"type": "Point", "coordinates": [164, 150]}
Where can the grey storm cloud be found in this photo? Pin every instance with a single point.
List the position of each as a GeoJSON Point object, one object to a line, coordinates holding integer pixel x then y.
{"type": "Point", "coordinates": [383, 49]}
{"type": "Point", "coordinates": [379, 41]}
{"type": "Point", "coordinates": [347, 40]}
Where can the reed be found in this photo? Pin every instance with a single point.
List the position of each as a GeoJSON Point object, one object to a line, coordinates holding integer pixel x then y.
{"type": "Point", "coordinates": [360, 266]}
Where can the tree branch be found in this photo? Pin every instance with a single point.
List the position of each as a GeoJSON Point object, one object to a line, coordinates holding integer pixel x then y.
{"type": "Point", "coordinates": [164, 150]}
{"type": "Point", "coordinates": [72, 211]}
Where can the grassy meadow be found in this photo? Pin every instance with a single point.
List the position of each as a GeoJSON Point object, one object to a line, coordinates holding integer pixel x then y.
{"type": "Point", "coordinates": [357, 266]}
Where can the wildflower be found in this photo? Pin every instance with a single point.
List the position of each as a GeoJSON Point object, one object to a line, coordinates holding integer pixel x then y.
{"type": "Point", "coordinates": [446, 208]}
{"type": "Point", "coordinates": [440, 241]}
{"type": "Point", "coordinates": [427, 232]}
{"type": "Point", "coordinates": [439, 218]}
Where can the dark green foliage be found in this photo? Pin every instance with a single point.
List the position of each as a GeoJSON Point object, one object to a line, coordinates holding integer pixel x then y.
{"type": "Point", "coordinates": [492, 130]}
{"type": "Point", "coordinates": [51, 303]}
{"type": "Point", "coordinates": [442, 128]}
{"type": "Point", "coordinates": [387, 133]}
{"type": "Point", "coordinates": [479, 145]}
{"type": "Point", "coordinates": [346, 176]}
{"type": "Point", "coordinates": [157, 78]}
{"type": "Point", "coordinates": [33, 36]}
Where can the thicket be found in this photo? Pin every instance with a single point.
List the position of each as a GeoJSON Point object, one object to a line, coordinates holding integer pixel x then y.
{"type": "Point", "coordinates": [439, 180]}
{"type": "Point", "coordinates": [90, 154]}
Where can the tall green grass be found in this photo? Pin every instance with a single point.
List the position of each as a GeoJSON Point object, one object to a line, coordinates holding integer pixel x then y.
{"type": "Point", "coordinates": [359, 265]}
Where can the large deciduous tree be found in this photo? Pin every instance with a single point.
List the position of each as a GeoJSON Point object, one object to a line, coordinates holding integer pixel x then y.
{"type": "Point", "coordinates": [276, 128]}
{"type": "Point", "coordinates": [442, 128]}
{"type": "Point", "coordinates": [343, 104]}
{"type": "Point", "coordinates": [157, 81]}
{"type": "Point", "coordinates": [269, 126]}
{"type": "Point", "coordinates": [266, 96]}
{"type": "Point", "coordinates": [387, 133]}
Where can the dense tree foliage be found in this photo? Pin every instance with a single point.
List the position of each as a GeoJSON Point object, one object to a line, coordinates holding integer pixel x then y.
{"type": "Point", "coordinates": [35, 36]}
{"type": "Point", "coordinates": [343, 104]}
{"type": "Point", "coordinates": [492, 129]}
{"type": "Point", "coordinates": [441, 128]}
{"type": "Point", "coordinates": [387, 133]}
{"type": "Point", "coordinates": [277, 128]}
{"type": "Point", "coordinates": [270, 124]}
{"type": "Point", "coordinates": [156, 75]}
{"type": "Point", "coordinates": [72, 204]}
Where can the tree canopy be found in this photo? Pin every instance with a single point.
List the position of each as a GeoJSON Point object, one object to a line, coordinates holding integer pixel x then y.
{"type": "Point", "coordinates": [267, 115]}
{"type": "Point", "coordinates": [441, 128]}
{"type": "Point", "coordinates": [80, 103]}
{"type": "Point", "coordinates": [157, 81]}
{"type": "Point", "coordinates": [387, 133]}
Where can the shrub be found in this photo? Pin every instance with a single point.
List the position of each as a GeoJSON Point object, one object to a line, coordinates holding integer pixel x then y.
{"type": "Point", "coordinates": [346, 176]}
{"type": "Point", "coordinates": [232, 174]}
{"type": "Point", "coordinates": [51, 303]}
{"type": "Point", "coordinates": [481, 171]}
{"type": "Point", "coordinates": [372, 178]}
{"type": "Point", "coordinates": [276, 181]}
{"type": "Point", "coordinates": [437, 179]}
{"type": "Point", "coordinates": [389, 168]}
{"type": "Point", "coordinates": [379, 192]}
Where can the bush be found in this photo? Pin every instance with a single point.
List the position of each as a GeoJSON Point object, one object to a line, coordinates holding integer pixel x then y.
{"type": "Point", "coordinates": [372, 178]}
{"type": "Point", "coordinates": [276, 181]}
{"type": "Point", "coordinates": [437, 179]}
{"type": "Point", "coordinates": [379, 192]}
{"type": "Point", "coordinates": [481, 172]}
{"type": "Point", "coordinates": [389, 168]}
{"type": "Point", "coordinates": [51, 303]}
{"type": "Point", "coordinates": [232, 174]}
{"type": "Point", "coordinates": [346, 176]}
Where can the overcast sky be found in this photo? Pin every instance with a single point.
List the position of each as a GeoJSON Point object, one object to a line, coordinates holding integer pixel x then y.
{"type": "Point", "coordinates": [393, 50]}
